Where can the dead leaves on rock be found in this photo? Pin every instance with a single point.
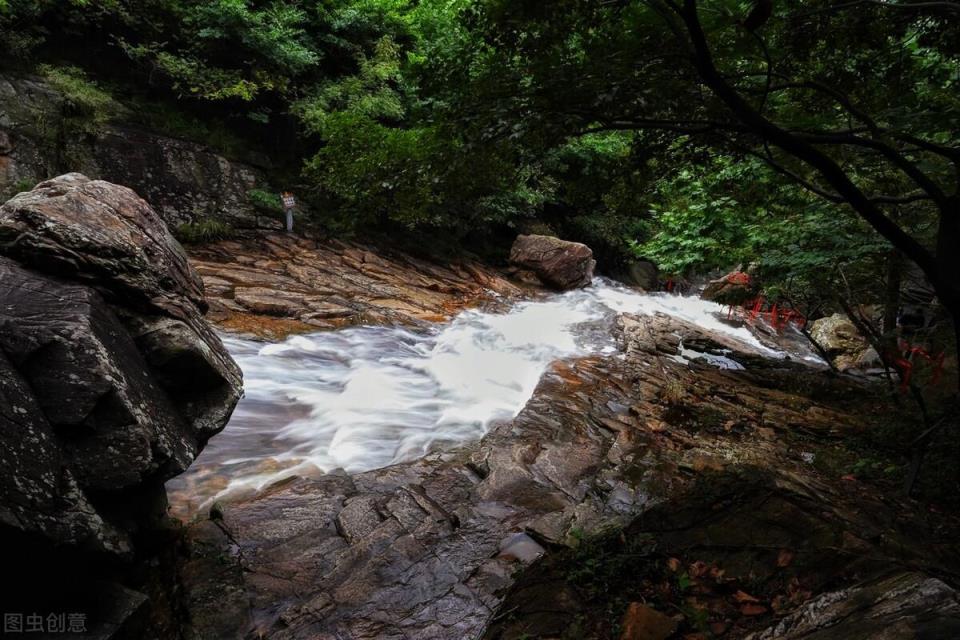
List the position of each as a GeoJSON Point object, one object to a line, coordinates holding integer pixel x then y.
{"type": "Point", "coordinates": [784, 558]}
{"type": "Point", "coordinates": [715, 605]}
{"type": "Point", "coordinates": [642, 622]}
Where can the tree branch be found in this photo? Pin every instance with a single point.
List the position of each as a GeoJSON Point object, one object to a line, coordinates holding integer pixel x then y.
{"type": "Point", "coordinates": [828, 169]}
{"type": "Point", "coordinates": [887, 5]}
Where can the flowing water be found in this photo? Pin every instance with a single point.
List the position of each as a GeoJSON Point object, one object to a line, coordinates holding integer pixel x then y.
{"type": "Point", "coordinates": [365, 397]}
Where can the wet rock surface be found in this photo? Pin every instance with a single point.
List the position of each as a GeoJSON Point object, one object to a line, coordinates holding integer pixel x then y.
{"type": "Point", "coordinates": [112, 382]}
{"type": "Point", "coordinates": [104, 235]}
{"type": "Point", "coordinates": [274, 284]}
{"type": "Point", "coordinates": [471, 541]}
{"type": "Point", "coordinates": [559, 264]}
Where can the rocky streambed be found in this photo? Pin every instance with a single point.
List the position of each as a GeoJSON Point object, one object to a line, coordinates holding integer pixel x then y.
{"type": "Point", "coordinates": [653, 429]}
{"type": "Point", "coordinates": [709, 466]}
{"type": "Point", "coordinates": [474, 458]}
{"type": "Point", "coordinates": [362, 398]}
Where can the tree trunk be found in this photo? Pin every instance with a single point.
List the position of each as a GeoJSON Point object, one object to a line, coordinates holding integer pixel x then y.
{"type": "Point", "coordinates": [891, 295]}
{"type": "Point", "coordinates": [891, 299]}
{"type": "Point", "coordinates": [948, 267]}
{"type": "Point", "coordinates": [956, 331]}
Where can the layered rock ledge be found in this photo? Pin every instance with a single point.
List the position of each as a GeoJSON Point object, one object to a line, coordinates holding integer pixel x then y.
{"type": "Point", "coordinates": [274, 284]}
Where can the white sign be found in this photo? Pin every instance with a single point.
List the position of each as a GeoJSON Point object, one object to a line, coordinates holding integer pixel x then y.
{"type": "Point", "coordinates": [288, 201]}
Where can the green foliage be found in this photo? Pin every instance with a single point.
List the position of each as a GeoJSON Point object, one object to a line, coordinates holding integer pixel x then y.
{"type": "Point", "coordinates": [193, 77]}
{"type": "Point", "coordinates": [488, 116]}
{"type": "Point", "coordinates": [372, 93]}
{"type": "Point", "coordinates": [601, 563]}
{"type": "Point", "coordinates": [605, 568]}
{"type": "Point", "coordinates": [270, 37]}
{"type": "Point", "coordinates": [266, 201]}
{"type": "Point", "coordinates": [203, 232]}
{"type": "Point", "coordinates": [726, 211]}
{"type": "Point", "coordinates": [23, 185]}
{"type": "Point", "coordinates": [86, 104]}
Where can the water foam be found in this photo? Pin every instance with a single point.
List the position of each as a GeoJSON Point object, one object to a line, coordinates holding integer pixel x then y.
{"type": "Point", "coordinates": [366, 397]}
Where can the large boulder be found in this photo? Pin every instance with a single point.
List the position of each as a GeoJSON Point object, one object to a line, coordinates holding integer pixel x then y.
{"type": "Point", "coordinates": [104, 235]}
{"type": "Point", "coordinates": [735, 288]}
{"type": "Point", "coordinates": [839, 337]}
{"type": "Point", "coordinates": [558, 263]}
{"type": "Point", "coordinates": [111, 380]}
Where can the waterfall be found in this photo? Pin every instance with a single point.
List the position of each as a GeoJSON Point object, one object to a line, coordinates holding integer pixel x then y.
{"type": "Point", "coordinates": [366, 397]}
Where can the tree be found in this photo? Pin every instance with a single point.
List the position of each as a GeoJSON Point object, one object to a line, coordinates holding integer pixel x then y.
{"type": "Point", "coordinates": [900, 148]}
{"type": "Point", "coordinates": [853, 101]}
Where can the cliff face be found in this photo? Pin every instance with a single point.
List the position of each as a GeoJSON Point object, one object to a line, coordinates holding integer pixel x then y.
{"type": "Point", "coordinates": [183, 181]}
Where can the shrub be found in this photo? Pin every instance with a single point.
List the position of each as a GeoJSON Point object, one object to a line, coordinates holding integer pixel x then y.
{"type": "Point", "coordinates": [265, 201]}
{"type": "Point", "coordinates": [203, 231]}
{"type": "Point", "coordinates": [84, 101]}
{"type": "Point", "coordinates": [23, 184]}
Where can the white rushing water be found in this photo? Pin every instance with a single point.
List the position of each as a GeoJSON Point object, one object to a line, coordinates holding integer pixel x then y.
{"type": "Point", "coordinates": [365, 397]}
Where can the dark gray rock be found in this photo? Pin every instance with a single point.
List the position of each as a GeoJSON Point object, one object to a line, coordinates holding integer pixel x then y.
{"type": "Point", "coordinates": [641, 273]}
{"type": "Point", "coordinates": [104, 235]}
{"type": "Point", "coordinates": [92, 384]}
{"type": "Point", "coordinates": [111, 381]}
{"type": "Point", "coordinates": [558, 263]}
{"type": "Point", "coordinates": [38, 496]}
{"type": "Point", "coordinates": [183, 181]}
{"type": "Point", "coordinates": [126, 380]}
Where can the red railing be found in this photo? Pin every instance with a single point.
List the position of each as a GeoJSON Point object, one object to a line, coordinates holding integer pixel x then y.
{"type": "Point", "coordinates": [906, 360]}
{"type": "Point", "coordinates": [778, 314]}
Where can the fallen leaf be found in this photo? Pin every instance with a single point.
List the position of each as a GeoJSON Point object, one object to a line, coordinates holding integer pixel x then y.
{"type": "Point", "coordinates": [673, 564]}
{"type": "Point", "coordinates": [706, 463]}
{"type": "Point", "coordinates": [750, 609]}
{"type": "Point", "coordinates": [742, 596]}
{"type": "Point", "coordinates": [784, 558]}
{"type": "Point", "coordinates": [698, 568]}
{"type": "Point", "coordinates": [719, 628]}
{"type": "Point", "coordinates": [777, 604]}
{"type": "Point", "coordinates": [642, 622]}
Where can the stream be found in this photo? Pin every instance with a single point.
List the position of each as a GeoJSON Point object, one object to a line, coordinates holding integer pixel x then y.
{"type": "Point", "coordinates": [361, 398]}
